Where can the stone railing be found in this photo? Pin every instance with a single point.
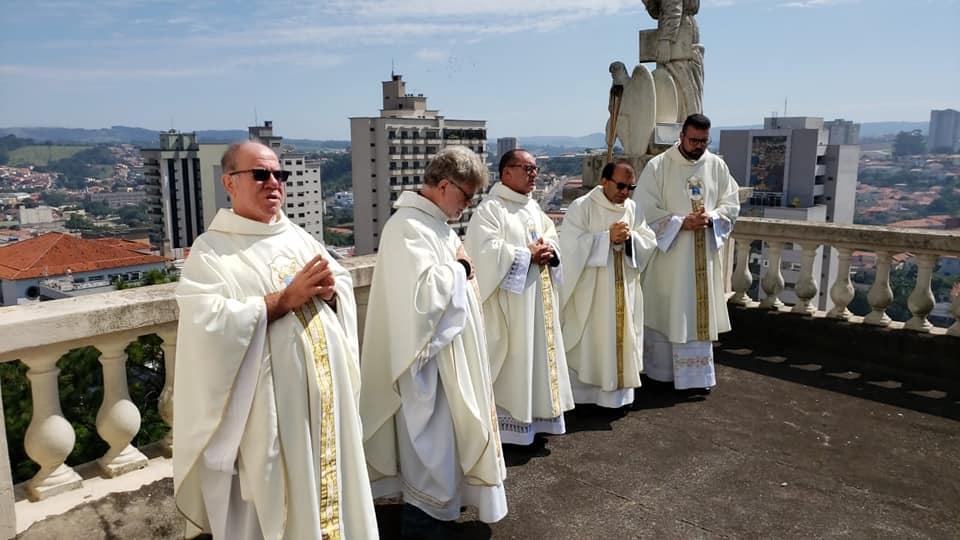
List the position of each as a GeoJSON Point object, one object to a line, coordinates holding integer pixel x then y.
{"type": "Point", "coordinates": [39, 334]}
{"type": "Point", "coordinates": [926, 246]}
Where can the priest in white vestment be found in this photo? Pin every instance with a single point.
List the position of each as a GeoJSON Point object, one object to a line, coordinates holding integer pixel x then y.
{"type": "Point", "coordinates": [515, 247]}
{"type": "Point", "coordinates": [691, 201]}
{"type": "Point", "coordinates": [267, 437]}
{"type": "Point", "coordinates": [427, 406]}
{"type": "Point", "coordinates": [605, 244]}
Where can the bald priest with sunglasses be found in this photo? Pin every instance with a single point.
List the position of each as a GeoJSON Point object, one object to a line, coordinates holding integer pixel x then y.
{"type": "Point", "coordinates": [605, 244]}
{"type": "Point", "coordinates": [692, 201]}
{"type": "Point", "coordinates": [268, 440]}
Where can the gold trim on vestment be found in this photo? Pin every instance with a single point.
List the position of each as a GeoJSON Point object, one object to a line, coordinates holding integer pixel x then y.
{"type": "Point", "coordinates": [309, 317]}
{"type": "Point", "coordinates": [546, 290]}
{"type": "Point", "coordinates": [621, 307]}
{"type": "Point", "coordinates": [700, 275]}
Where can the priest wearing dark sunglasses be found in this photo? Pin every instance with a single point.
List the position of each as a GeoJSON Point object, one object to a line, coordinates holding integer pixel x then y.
{"type": "Point", "coordinates": [267, 374]}
{"type": "Point", "coordinates": [605, 244]}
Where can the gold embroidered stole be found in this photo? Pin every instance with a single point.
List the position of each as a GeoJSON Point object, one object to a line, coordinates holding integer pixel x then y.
{"type": "Point", "coordinates": [329, 493]}
{"type": "Point", "coordinates": [700, 275]}
{"type": "Point", "coordinates": [620, 309]}
{"type": "Point", "coordinates": [546, 291]}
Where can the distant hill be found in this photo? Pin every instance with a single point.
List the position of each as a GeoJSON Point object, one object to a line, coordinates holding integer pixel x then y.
{"type": "Point", "coordinates": [147, 137]}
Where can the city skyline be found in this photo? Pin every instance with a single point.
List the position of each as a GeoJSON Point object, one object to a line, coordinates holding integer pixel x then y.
{"type": "Point", "coordinates": [194, 66]}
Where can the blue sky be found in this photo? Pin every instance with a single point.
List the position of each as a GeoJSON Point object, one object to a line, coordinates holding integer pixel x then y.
{"type": "Point", "coordinates": [535, 67]}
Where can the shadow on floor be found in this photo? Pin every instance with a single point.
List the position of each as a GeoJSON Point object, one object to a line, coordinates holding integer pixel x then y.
{"type": "Point", "coordinates": [847, 375]}
{"type": "Point", "coordinates": [388, 523]}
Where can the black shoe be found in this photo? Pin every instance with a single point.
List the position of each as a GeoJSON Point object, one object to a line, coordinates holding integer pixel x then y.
{"type": "Point", "coordinates": [695, 392]}
{"type": "Point", "coordinates": [415, 524]}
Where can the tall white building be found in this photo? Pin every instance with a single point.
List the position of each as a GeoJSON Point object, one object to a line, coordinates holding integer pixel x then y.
{"type": "Point", "coordinates": [183, 189]}
{"type": "Point", "coordinates": [390, 152]}
{"type": "Point", "coordinates": [304, 202]}
{"type": "Point", "coordinates": [797, 172]}
{"type": "Point", "coordinates": [944, 132]}
{"type": "Point", "coordinates": [504, 145]}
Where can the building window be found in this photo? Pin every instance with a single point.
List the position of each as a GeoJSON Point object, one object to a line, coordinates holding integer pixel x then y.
{"type": "Point", "coordinates": [299, 162]}
{"type": "Point", "coordinates": [391, 134]}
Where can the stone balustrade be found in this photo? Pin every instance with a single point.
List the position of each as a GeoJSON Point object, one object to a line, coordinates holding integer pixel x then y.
{"type": "Point", "coordinates": [926, 245]}
{"type": "Point", "coordinates": [39, 334]}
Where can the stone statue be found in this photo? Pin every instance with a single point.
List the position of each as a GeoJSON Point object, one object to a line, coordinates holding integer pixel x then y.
{"type": "Point", "coordinates": [679, 51]}
{"type": "Point", "coordinates": [631, 104]}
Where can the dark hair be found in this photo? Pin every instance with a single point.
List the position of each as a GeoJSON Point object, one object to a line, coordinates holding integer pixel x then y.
{"type": "Point", "coordinates": [697, 120]}
{"type": "Point", "coordinates": [607, 172]}
{"type": "Point", "coordinates": [507, 158]}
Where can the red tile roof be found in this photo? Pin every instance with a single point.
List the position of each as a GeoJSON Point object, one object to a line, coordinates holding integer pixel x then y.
{"type": "Point", "coordinates": [53, 253]}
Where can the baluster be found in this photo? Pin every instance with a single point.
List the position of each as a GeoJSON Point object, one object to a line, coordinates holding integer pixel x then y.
{"type": "Point", "coordinates": [806, 286]}
{"type": "Point", "coordinates": [921, 299]}
{"type": "Point", "coordinates": [741, 278]}
{"type": "Point", "coordinates": [118, 419]}
{"type": "Point", "coordinates": [50, 437]}
{"type": "Point", "coordinates": [954, 329]}
{"type": "Point", "coordinates": [165, 403]}
{"type": "Point", "coordinates": [842, 290]}
{"type": "Point", "coordinates": [880, 295]}
{"type": "Point", "coordinates": [773, 280]}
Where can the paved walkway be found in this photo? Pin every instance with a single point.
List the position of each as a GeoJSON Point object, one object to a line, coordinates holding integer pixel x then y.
{"type": "Point", "coordinates": [790, 445]}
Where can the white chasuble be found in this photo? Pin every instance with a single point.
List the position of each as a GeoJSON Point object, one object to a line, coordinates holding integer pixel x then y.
{"type": "Point", "coordinates": [602, 302]}
{"type": "Point", "coordinates": [429, 418]}
{"type": "Point", "coordinates": [521, 309]}
{"type": "Point", "coordinates": [685, 302]}
{"type": "Point", "coordinates": [266, 416]}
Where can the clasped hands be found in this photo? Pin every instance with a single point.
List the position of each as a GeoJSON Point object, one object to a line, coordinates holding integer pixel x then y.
{"type": "Point", "coordinates": [541, 252]}
{"type": "Point", "coordinates": [619, 232]}
{"type": "Point", "coordinates": [696, 221]}
{"type": "Point", "coordinates": [314, 279]}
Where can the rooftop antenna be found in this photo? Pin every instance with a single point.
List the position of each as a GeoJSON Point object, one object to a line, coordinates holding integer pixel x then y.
{"type": "Point", "coordinates": [784, 107]}
{"type": "Point", "coordinates": [393, 68]}
{"type": "Point", "coordinates": [256, 118]}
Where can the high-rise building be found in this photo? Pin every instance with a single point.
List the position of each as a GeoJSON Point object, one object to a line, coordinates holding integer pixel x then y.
{"type": "Point", "coordinates": [842, 131]}
{"type": "Point", "coordinates": [944, 132]}
{"type": "Point", "coordinates": [504, 145]}
{"type": "Point", "coordinates": [183, 189]}
{"type": "Point", "coordinates": [389, 154]}
{"type": "Point", "coordinates": [304, 196]}
{"type": "Point", "coordinates": [797, 173]}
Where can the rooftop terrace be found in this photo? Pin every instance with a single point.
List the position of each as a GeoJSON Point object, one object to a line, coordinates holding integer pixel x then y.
{"type": "Point", "coordinates": [823, 424]}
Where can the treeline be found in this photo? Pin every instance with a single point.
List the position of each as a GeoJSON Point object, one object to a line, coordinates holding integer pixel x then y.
{"type": "Point", "coordinates": [8, 144]}
{"type": "Point", "coordinates": [75, 169]}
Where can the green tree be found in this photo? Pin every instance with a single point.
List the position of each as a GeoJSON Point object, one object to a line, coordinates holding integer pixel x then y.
{"type": "Point", "coordinates": [134, 216]}
{"type": "Point", "coordinates": [909, 143]}
{"type": "Point", "coordinates": [334, 238]}
{"type": "Point", "coordinates": [54, 197]}
{"type": "Point", "coordinates": [77, 221]}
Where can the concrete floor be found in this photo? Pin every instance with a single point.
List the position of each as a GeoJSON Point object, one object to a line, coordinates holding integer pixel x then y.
{"type": "Point", "coordinates": [790, 445]}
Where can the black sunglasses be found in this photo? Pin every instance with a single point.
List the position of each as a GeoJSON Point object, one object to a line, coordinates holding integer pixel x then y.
{"type": "Point", "coordinates": [622, 186]}
{"type": "Point", "coordinates": [262, 175]}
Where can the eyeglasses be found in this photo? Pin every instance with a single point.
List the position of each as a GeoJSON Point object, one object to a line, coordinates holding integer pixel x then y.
{"type": "Point", "coordinates": [527, 168]}
{"type": "Point", "coordinates": [262, 175]}
{"type": "Point", "coordinates": [698, 141]}
{"type": "Point", "coordinates": [622, 186]}
{"type": "Point", "coordinates": [468, 197]}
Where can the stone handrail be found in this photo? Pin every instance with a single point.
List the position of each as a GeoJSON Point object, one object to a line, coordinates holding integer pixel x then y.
{"type": "Point", "coordinates": [39, 334]}
{"type": "Point", "coordinates": [926, 245]}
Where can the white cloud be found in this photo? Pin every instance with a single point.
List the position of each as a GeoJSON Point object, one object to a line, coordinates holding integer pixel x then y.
{"type": "Point", "coordinates": [431, 55]}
